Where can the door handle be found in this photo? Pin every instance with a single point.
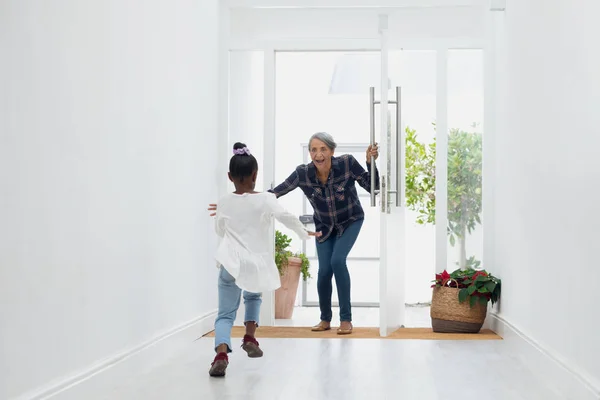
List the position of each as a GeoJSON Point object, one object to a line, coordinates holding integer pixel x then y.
{"type": "Point", "coordinates": [372, 103]}
{"type": "Point", "coordinates": [386, 189]}
{"type": "Point", "coordinates": [399, 147]}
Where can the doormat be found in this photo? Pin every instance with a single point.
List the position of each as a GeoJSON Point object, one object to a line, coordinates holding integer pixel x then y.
{"type": "Point", "coordinates": [288, 332]}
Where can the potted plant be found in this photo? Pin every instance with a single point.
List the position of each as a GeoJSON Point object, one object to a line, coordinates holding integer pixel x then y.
{"type": "Point", "coordinates": [460, 298]}
{"type": "Point", "coordinates": [290, 266]}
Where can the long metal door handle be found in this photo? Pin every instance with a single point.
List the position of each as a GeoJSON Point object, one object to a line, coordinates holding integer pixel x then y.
{"type": "Point", "coordinates": [399, 147]}
{"type": "Point", "coordinates": [372, 141]}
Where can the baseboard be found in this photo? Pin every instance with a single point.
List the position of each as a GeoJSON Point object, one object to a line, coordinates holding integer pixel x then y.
{"type": "Point", "coordinates": [550, 367]}
{"type": "Point", "coordinates": [102, 375]}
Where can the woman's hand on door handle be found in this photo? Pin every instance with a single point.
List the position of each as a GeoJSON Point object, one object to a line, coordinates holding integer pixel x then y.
{"type": "Point", "coordinates": [372, 151]}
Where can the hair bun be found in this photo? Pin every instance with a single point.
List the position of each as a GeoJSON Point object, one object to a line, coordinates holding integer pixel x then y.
{"type": "Point", "coordinates": [239, 145]}
{"type": "Point", "coordinates": [240, 149]}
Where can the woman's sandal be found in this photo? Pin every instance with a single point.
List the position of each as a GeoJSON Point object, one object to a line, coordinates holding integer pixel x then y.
{"type": "Point", "coordinates": [321, 327]}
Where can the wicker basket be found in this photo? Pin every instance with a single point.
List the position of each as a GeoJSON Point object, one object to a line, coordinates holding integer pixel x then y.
{"type": "Point", "coordinates": [448, 315]}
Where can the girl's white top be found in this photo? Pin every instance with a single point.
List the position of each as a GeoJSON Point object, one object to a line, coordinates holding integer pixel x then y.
{"type": "Point", "coordinates": [243, 221]}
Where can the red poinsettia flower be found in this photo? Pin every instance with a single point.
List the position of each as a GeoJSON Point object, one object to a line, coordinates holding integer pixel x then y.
{"type": "Point", "coordinates": [441, 279]}
{"type": "Point", "coordinates": [445, 278]}
{"type": "Point", "coordinates": [478, 273]}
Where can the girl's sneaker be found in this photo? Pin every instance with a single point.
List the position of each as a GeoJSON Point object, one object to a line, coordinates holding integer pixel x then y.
{"type": "Point", "coordinates": [219, 365]}
{"type": "Point", "coordinates": [250, 346]}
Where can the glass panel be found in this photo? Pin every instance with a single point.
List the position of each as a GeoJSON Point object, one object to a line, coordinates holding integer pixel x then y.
{"type": "Point", "coordinates": [314, 93]}
{"type": "Point", "coordinates": [415, 72]}
{"type": "Point", "coordinates": [327, 91]}
{"type": "Point", "coordinates": [465, 123]}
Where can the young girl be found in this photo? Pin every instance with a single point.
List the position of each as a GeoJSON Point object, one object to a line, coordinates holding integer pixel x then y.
{"type": "Point", "coordinates": [243, 220]}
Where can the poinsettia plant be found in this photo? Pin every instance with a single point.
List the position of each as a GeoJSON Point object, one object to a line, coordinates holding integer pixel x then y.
{"type": "Point", "coordinates": [474, 285]}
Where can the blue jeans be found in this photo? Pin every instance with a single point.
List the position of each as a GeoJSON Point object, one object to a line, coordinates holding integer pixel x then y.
{"type": "Point", "coordinates": [332, 255]}
{"type": "Point", "coordinates": [229, 302]}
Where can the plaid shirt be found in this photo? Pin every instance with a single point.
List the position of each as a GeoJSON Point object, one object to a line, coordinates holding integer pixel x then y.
{"type": "Point", "coordinates": [335, 203]}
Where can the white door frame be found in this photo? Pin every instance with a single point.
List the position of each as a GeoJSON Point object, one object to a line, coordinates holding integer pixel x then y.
{"type": "Point", "coordinates": [267, 312]}
{"type": "Point", "coordinates": [270, 47]}
{"type": "Point", "coordinates": [302, 45]}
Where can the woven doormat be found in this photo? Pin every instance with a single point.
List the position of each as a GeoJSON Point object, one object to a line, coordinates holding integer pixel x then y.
{"type": "Point", "coordinates": [286, 332]}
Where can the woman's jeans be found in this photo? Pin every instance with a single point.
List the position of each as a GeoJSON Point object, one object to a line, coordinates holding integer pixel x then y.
{"type": "Point", "coordinates": [332, 255]}
{"type": "Point", "coordinates": [229, 302]}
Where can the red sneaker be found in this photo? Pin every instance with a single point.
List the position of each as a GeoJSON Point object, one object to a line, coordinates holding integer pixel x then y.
{"type": "Point", "coordinates": [219, 365]}
{"type": "Point", "coordinates": [250, 346]}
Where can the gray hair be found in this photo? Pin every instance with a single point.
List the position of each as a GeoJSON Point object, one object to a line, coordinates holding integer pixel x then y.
{"type": "Point", "coordinates": [325, 138]}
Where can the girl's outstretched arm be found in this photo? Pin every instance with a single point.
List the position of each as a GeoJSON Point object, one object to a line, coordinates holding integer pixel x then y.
{"type": "Point", "coordinates": [288, 219]}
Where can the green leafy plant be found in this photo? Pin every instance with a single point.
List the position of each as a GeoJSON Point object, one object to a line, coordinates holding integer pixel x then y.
{"type": "Point", "coordinates": [464, 187]}
{"type": "Point", "coordinates": [474, 285]}
{"type": "Point", "coordinates": [304, 267]}
{"type": "Point", "coordinates": [282, 243]}
{"type": "Point", "coordinates": [464, 184]}
{"type": "Point", "coordinates": [420, 177]}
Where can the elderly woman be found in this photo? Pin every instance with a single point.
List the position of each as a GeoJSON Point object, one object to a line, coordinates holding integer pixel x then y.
{"type": "Point", "coordinates": [329, 184]}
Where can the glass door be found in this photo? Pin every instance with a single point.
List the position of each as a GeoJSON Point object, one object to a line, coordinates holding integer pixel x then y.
{"type": "Point", "coordinates": [431, 165]}
{"type": "Point", "coordinates": [339, 92]}
{"type": "Point", "coordinates": [414, 72]}
{"type": "Point", "coordinates": [328, 91]}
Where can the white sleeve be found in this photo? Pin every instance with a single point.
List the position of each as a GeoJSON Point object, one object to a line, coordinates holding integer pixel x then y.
{"type": "Point", "coordinates": [219, 225]}
{"type": "Point", "coordinates": [286, 218]}
{"type": "Point", "coordinates": [220, 220]}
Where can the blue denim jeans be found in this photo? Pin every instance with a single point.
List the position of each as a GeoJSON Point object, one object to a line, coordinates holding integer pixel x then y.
{"type": "Point", "coordinates": [229, 302]}
{"type": "Point", "coordinates": [332, 255]}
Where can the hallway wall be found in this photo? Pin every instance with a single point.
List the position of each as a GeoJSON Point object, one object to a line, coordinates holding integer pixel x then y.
{"type": "Point", "coordinates": [107, 118]}
{"type": "Point", "coordinates": [548, 167]}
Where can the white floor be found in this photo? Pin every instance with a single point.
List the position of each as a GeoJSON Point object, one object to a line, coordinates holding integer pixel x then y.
{"type": "Point", "coordinates": [345, 369]}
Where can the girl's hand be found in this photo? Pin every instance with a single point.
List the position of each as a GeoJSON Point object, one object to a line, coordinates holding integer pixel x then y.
{"type": "Point", "coordinates": [315, 234]}
{"type": "Point", "coordinates": [212, 207]}
{"type": "Point", "coordinates": [373, 150]}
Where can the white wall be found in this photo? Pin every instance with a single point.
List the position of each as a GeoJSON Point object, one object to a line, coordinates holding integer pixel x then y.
{"type": "Point", "coordinates": [546, 195]}
{"type": "Point", "coordinates": [246, 106]}
{"type": "Point", "coordinates": [108, 113]}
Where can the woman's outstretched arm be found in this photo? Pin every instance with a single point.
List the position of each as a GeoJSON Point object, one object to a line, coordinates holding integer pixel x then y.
{"type": "Point", "coordinates": [287, 186]}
